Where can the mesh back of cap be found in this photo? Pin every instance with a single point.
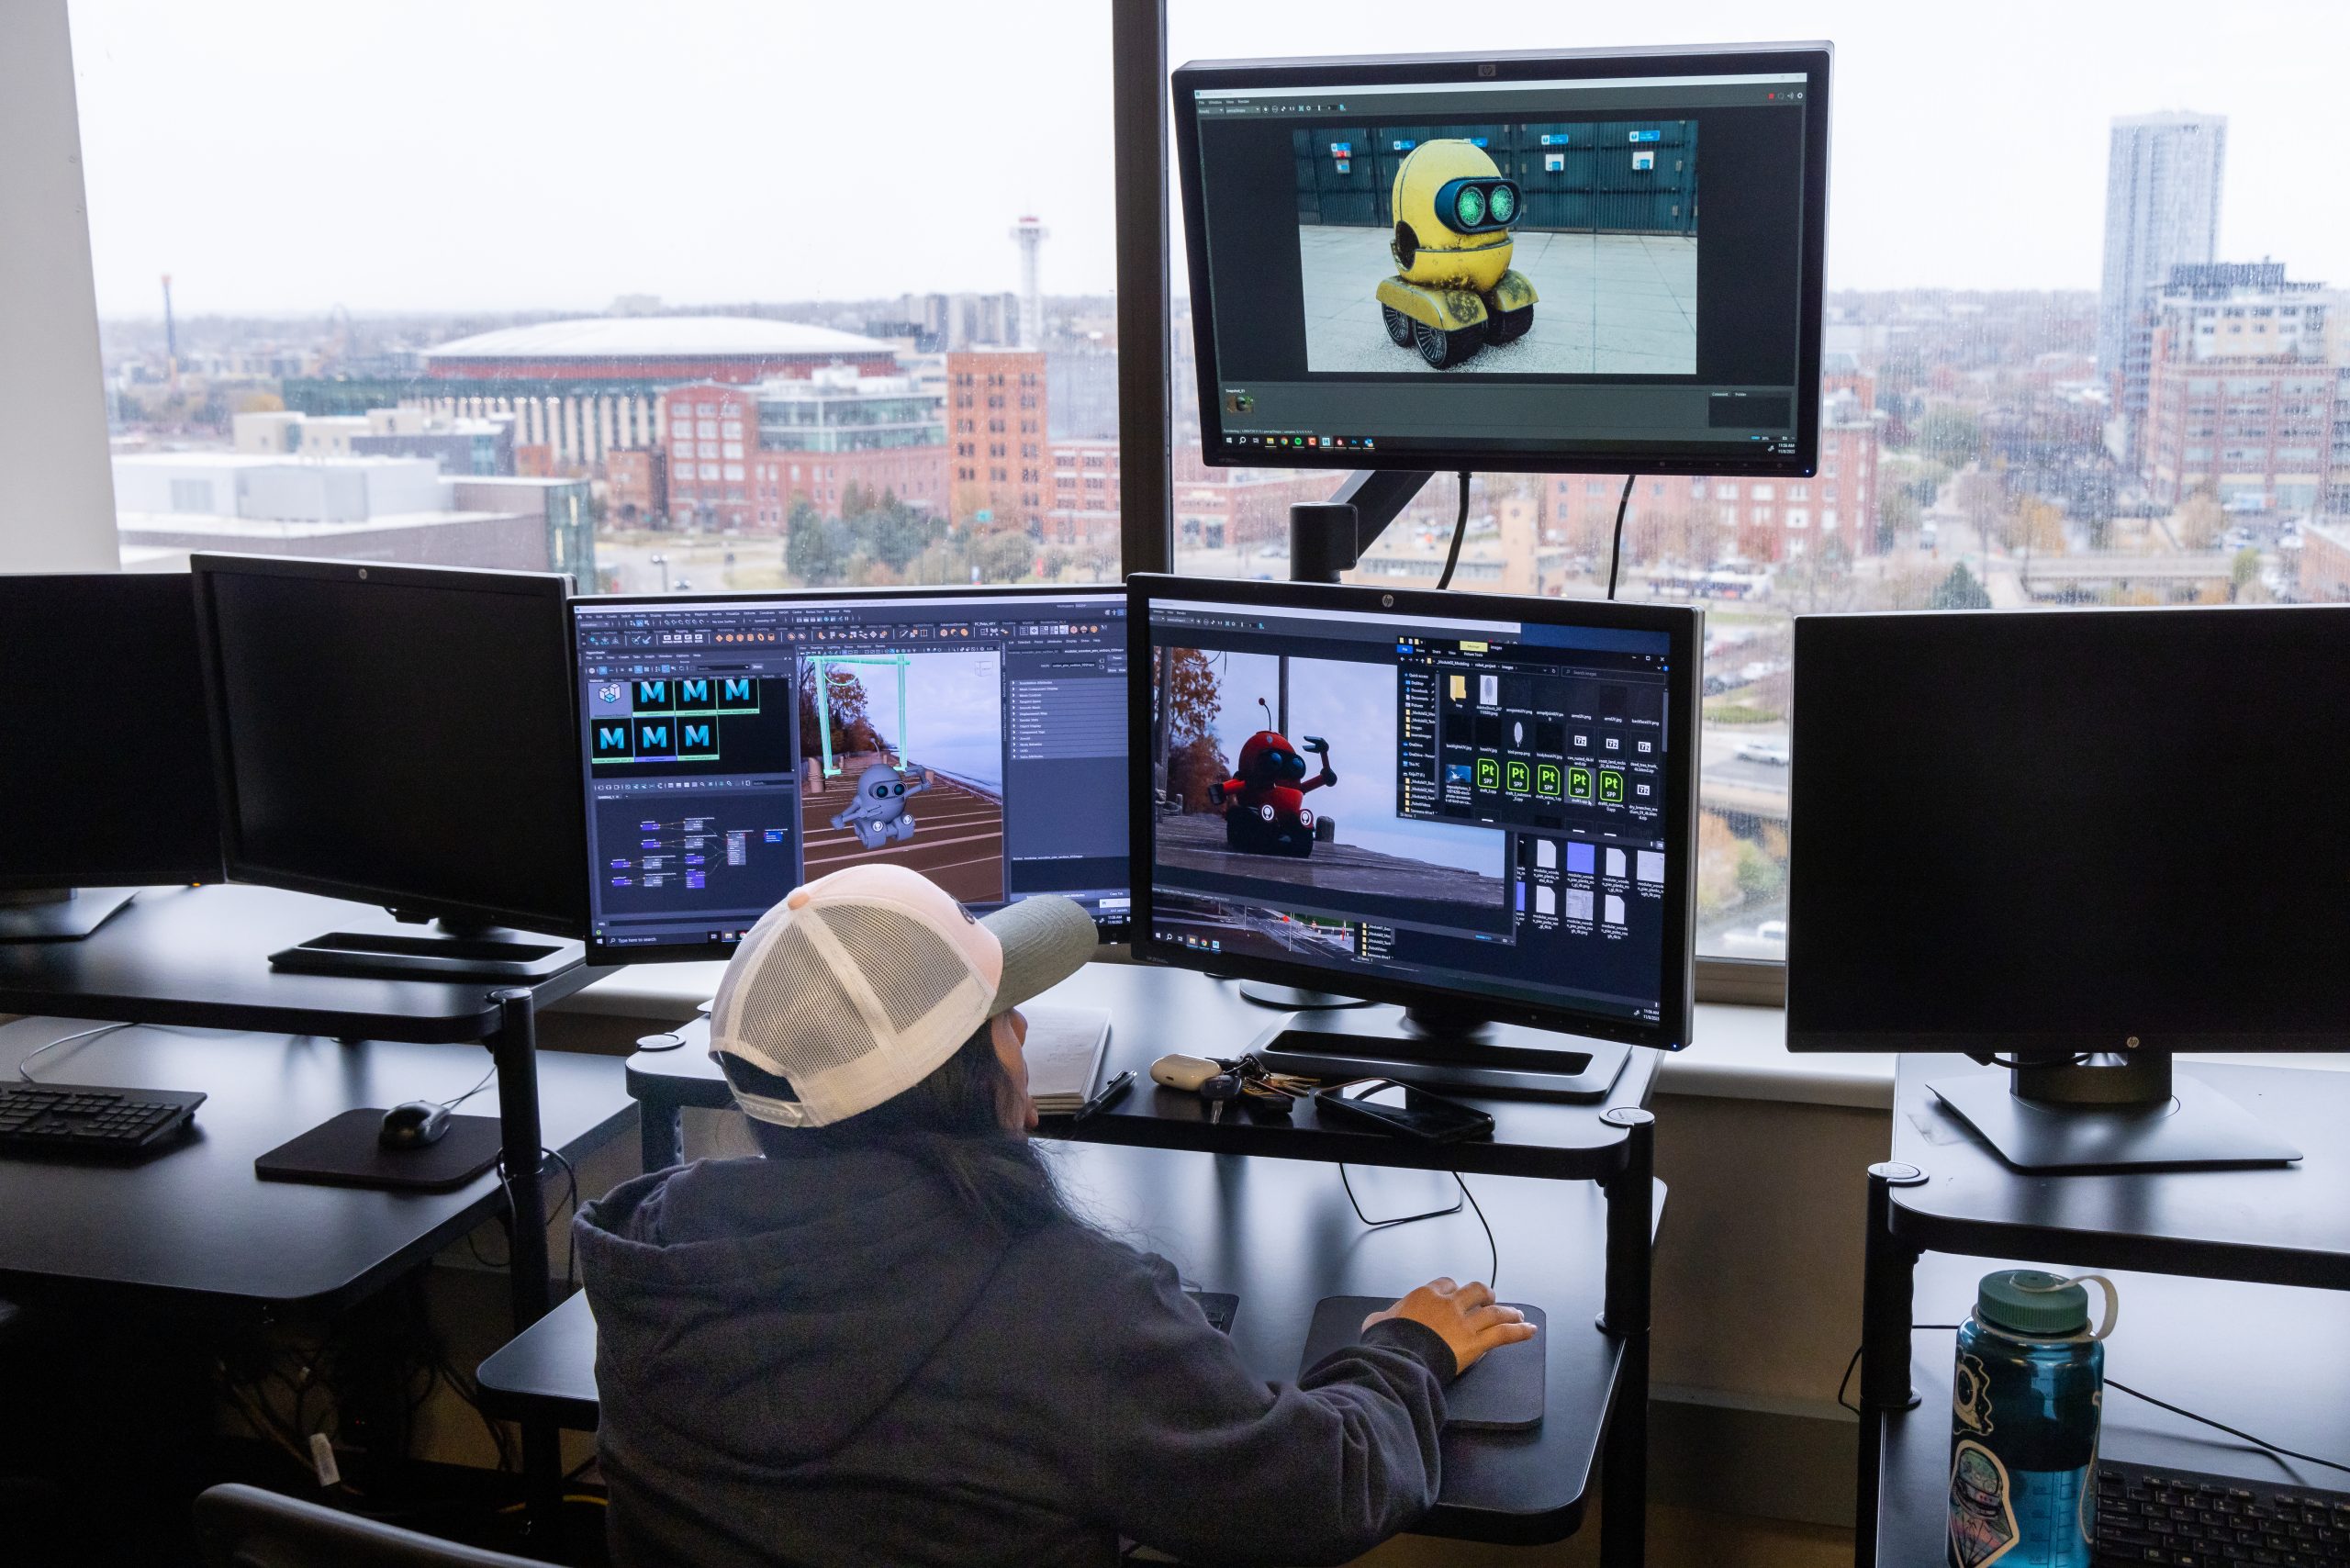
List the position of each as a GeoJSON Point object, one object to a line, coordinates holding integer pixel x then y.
{"type": "Point", "coordinates": [793, 1009]}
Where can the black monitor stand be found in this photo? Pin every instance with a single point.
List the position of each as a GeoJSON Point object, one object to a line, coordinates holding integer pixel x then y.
{"type": "Point", "coordinates": [2123, 1114]}
{"type": "Point", "coordinates": [1439, 1049]}
{"type": "Point", "coordinates": [457, 951]}
{"type": "Point", "coordinates": [57, 915]}
{"type": "Point", "coordinates": [1295, 999]}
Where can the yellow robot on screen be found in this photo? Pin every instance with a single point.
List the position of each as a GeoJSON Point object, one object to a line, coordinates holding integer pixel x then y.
{"type": "Point", "coordinates": [1453, 291]}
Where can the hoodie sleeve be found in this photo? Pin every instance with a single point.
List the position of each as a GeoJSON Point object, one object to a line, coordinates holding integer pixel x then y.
{"type": "Point", "coordinates": [1197, 1457]}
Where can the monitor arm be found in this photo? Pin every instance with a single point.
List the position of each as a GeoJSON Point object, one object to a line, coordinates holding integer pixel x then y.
{"type": "Point", "coordinates": [1326, 538]}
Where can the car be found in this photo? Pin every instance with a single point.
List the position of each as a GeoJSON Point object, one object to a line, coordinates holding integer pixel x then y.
{"type": "Point", "coordinates": [1773, 754]}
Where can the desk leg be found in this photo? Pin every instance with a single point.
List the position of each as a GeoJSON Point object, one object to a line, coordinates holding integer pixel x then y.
{"type": "Point", "coordinates": [1631, 1231]}
{"type": "Point", "coordinates": [660, 1133]}
{"type": "Point", "coordinates": [1888, 1285]}
{"type": "Point", "coordinates": [515, 1049]}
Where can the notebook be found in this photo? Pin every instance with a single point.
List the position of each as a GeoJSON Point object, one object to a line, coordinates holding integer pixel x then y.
{"type": "Point", "coordinates": [1064, 1052]}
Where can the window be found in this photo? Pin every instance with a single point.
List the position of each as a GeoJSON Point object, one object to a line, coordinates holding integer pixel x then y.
{"type": "Point", "coordinates": [1981, 415]}
{"type": "Point", "coordinates": [308, 292]}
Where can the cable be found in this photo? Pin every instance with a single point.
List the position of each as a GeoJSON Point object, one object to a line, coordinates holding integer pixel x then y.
{"type": "Point", "coordinates": [1370, 1224]}
{"type": "Point", "coordinates": [1459, 528]}
{"type": "Point", "coordinates": [2261, 1443]}
{"type": "Point", "coordinates": [1615, 551]}
{"type": "Point", "coordinates": [2223, 1426]}
{"type": "Point", "coordinates": [1493, 1251]}
{"type": "Point", "coordinates": [25, 1068]}
{"type": "Point", "coordinates": [453, 1104]}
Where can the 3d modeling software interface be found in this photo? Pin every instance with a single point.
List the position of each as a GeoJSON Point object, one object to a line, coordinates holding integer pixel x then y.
{"type": "Point", "coordinates": [1476, 805]}
{"type": "Point", "coordinates": [734, 748]}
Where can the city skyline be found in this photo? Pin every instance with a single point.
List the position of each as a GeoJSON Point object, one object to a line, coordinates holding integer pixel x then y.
{"type": "Point", "coordinates": [281, 198]}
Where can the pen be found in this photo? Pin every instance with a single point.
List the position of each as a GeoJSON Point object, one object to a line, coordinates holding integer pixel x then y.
{"type": "Point", "coordinates": [1108, 1095]}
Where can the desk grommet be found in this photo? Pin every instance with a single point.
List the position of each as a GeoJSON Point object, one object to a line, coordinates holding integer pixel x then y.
{"type": "Point", "coordinates": [665, 1041]}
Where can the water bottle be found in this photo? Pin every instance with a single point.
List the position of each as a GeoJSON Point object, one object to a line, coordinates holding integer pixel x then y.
{"type": "Point", "coordinates": [2024, 1406]}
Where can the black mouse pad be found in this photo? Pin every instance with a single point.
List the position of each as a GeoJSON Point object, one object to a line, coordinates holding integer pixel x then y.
{"type": "Point", "coordinates": [1502, 1393]}
{"type": "Point", "coordinates": [342, 1152]}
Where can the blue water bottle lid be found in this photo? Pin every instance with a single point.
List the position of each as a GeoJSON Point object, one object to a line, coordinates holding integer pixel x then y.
{"type": "Point", "coordinates": [2033, 1300]}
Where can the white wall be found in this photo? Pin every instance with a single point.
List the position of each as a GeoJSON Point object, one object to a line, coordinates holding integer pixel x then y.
{"type": "Point", "coordinates": [56, 492]}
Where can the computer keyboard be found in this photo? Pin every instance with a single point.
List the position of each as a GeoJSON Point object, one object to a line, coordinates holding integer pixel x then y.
{"type": "Point", "coordinates": [2158, 1515]}
{"type": "Point", "coordinates": [74, 1119]}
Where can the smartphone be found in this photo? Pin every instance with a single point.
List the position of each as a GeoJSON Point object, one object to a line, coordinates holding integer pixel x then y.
{"type": "Point", "coordinates": [1431, 1119]}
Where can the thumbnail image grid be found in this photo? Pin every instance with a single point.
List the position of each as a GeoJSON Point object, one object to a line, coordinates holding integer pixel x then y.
{"type": "Point", "coordinates": [1602, 226]}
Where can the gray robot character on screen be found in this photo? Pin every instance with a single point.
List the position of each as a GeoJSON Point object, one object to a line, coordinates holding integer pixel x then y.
{"type": "Point", "coordinates": [879, 816]}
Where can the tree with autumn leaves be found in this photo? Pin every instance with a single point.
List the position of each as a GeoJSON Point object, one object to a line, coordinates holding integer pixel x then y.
{"type": "Point", "coordinates": [1194, 698]}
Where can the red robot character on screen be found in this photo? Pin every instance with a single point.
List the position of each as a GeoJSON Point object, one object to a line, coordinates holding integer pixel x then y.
{"type": "Point", "coordinates": [1264, 802]}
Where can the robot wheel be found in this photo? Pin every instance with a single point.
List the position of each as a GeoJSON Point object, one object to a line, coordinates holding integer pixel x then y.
{"type": "Point", "coordinates": [1443, 349]}
{"type": "Point", "coordinates": [1508, 326]}
{"type": "Point", "coordinates": [1399, 326]}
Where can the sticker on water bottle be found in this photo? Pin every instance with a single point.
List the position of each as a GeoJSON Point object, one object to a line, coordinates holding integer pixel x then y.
{"type": "Point", "coordinates": [1982, 1518]}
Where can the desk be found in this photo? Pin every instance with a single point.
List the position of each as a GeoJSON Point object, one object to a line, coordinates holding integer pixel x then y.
{"type": "Point", "coordinates": [199, 957]}
{"type": "Point", "coordinates": [1571, 1194]}
{"type": "Point", "coordinates": [2209, 1347]}
{"type": "Point", "coordinates": [193, 1227]}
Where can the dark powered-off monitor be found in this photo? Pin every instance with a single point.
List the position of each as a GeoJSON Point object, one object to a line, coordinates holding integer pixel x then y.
{"type": "Point", "coordinates": [1481, 809]}
{"type": "Point", "coordinates": [2083, 840]}
{"type": "Point", "coordinates": [107, 775]}
{"type": "Point", "coordinates": [402, 736]}
{"type": "Point", "coordinates": [1594, 261]}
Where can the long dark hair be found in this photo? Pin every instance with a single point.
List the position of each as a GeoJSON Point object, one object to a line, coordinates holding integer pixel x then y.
{"type": "Point", "coordinates": [951, 1125]}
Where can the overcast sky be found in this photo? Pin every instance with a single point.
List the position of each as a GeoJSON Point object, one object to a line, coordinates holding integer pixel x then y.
{"type": "Point", "coordinates": [291, 155]}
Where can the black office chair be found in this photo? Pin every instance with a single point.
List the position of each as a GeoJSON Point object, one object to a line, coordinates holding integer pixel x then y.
{"type": "Point", "coordinates": [244, 1527]}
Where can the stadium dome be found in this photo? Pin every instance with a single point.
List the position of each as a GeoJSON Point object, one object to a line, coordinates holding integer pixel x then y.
{"type": "Point", "coordinates": [606, 339]}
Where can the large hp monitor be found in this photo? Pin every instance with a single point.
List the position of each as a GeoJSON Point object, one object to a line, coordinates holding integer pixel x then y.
{"type": "Point", "coordinates": [735, 746]}
{"type": "Point", "coordinates": [107, 770]}
{"type": "Point", "coordinates": [1479, 810]}
{"type": "Point", "coordinates": [403, 736]}
{"type": "Point", "coordinates": [1578, 261]}
{"type": "Point", "coordinates": [2075, 843]}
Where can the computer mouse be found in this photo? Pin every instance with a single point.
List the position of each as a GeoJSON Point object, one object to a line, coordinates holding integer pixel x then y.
{"type": "Point", "coordinates": [419, 1124]}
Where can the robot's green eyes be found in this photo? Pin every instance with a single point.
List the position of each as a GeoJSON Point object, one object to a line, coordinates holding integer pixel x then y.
{"type": "Point", "coordinates": [880, 792]}
{"type": "Point", "coordinates": [1477, 205]}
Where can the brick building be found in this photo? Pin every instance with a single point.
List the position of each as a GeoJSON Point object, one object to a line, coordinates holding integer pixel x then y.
{"type": "Point", "coordinates": [2241, 399]}
{"type": "Point", "coordinates": [1084, 510]}
{"type": "Point", "coordinates": [999, 457]}
{"type": "Point", "coordinates": [1705, 521]}
{"type": "Point", "coordinates": [742, 457]}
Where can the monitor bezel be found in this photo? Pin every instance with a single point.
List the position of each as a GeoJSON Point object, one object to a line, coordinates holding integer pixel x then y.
{"type": "Point", "coordinates": [1685, 627]}
{"type": "Point", "coordinates": [407, 903]}
{"type": "Point", "coordinates": [1815, 60]}
{"type": "Point", "coordinates": [185, 863]}
{"type": "Point", "coordinates": [2024, 1045]}
{"type": "Point", "coordinates": [599, 953]}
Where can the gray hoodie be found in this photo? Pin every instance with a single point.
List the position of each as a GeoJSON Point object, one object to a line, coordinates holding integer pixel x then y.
{"type": "Point", "coordinates": [827, 1362]}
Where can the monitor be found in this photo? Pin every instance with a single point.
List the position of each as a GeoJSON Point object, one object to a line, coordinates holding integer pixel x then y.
{"type": "Point", "coordinates": [1590, 261]}
{"type": "Point", "coordinates": [735, 746]}
{"type": "Point", "coordinates": [1481, 809]}
{"type": "Point", "coordinates": [108, 771]}
{"type": "Point", "coordinates": [2059, 834]}
{"type": "Point", "coordinates": [398, 736]}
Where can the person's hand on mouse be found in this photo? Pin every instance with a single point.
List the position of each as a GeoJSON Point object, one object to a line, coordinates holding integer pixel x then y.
{"type": "Point", "coordinates": [1465, 1316]}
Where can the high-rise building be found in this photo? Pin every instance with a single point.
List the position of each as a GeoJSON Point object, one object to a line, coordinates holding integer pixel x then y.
{"type": "Point", "coordinates": [2161, 211]}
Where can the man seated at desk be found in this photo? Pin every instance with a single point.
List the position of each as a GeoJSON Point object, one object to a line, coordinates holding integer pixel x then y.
{"type": "Point", "coordinates": [889, 1341]}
